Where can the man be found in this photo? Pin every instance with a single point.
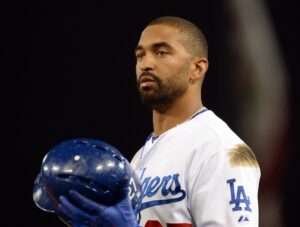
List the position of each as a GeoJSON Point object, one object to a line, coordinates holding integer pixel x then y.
{"type": "Point", "coordinates": [194, 170]}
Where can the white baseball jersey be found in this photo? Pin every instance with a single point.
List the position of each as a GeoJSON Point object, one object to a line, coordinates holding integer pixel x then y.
{"type": "Point", "coordinates": [199, 173]}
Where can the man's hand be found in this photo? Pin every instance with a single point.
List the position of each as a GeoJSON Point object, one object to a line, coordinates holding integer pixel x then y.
{"type": "Point", "coordinates": [89, 213]}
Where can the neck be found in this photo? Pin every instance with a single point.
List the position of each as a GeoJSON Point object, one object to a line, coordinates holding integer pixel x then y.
{"type": "Point", "coordinates": [180, 111]}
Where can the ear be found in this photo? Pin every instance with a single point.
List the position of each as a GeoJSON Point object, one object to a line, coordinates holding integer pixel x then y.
{"type": "Point", "coordinates": [200, 66]}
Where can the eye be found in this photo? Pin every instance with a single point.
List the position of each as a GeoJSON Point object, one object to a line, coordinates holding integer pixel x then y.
{"type": "Point", "coordinates": [161, 53]}
{"type": "Point", "coordinates": [139, 56]}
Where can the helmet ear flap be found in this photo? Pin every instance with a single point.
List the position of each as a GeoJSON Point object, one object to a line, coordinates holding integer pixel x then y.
{"type": "Point", "coordinates": [40, 195]}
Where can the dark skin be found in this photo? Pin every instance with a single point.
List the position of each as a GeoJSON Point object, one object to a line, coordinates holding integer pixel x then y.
{"type": "Point", "coordinates": [161, 52]}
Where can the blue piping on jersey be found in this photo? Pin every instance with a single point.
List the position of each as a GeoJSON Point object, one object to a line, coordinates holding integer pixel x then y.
{"type": "Point", "coordinates": [156, 137]}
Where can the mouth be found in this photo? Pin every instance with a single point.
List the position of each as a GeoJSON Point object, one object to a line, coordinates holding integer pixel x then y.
{"type": "Point", "coordinates": [146, 81]}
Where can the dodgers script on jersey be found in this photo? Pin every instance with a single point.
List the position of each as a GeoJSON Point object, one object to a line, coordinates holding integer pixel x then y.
{"type": "Point", "coordinates": [199, 173]}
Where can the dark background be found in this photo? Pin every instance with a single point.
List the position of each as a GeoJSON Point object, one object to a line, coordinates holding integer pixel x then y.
{"type": "Point", "coordinates": [75, 71]}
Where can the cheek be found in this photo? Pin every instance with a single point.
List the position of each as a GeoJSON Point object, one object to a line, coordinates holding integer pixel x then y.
{"type": "Point", "coordinates": [137, 72]}
{"type": "Point", "coordinates": [170, 70]}
{"type": "Point", "coordinates": [166, 68]}
{"type": "Point", "coordinates": [173, 64]}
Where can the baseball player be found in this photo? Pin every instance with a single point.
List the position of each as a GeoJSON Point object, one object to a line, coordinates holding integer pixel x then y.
{"type": "Point", "coordinates": [194, 170]}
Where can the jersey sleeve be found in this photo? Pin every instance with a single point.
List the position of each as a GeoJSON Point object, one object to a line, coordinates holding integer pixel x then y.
{"type": "Point", "coordinates": [225, 189]}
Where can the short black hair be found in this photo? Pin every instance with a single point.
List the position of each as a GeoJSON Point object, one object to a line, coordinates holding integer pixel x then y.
{"type": "Point", "coordinates": [193, 38]}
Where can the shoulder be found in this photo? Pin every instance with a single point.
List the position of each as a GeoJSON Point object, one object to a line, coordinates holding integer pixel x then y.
{"type": "Point", "coordinates": [211, 132]}
{"type": "Point", "coordinates": [216, 138]}
{"type": "Point", "coordinates": [215, 127]}
{"type": "Point", "coordinates": [237, 151]}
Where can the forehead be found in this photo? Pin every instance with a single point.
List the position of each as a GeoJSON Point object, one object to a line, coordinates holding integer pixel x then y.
{"type": "Point", "coordinates": [159, 34]}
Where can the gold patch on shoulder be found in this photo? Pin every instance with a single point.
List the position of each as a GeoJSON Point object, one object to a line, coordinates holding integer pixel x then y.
{"type": "Point", "coordinates": [242, 155]}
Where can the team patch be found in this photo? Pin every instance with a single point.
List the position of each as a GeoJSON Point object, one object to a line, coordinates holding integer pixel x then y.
{"type": "Point", "coordinates": [239, 200]}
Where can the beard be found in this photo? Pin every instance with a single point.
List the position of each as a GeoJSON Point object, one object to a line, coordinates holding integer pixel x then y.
{"type": "Point", "coordinates": [164, 94]}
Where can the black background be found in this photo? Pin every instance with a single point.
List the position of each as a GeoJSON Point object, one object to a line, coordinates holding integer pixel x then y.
{"type": "Point", "coordinates": [75, 71]}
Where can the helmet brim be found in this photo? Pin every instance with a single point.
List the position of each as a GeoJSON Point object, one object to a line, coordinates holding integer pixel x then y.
{"type": "Point", "coordinates": [40, 195]}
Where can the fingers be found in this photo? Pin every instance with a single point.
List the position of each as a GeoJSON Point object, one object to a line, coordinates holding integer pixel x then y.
{"type": "Point", "coordinates": [71, 211]}
{"type": "Point", "coordinates": [63, 214]}
{"type": "Point", "coordinates": [76, 224]}
{"type": "Point", "coordinates": [86, 204]}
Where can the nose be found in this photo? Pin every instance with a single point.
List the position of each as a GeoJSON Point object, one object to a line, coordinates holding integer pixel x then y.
{"type": "Point", "coordinates": [146, 64]}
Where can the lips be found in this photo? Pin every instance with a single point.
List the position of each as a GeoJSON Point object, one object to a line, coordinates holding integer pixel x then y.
{"type": "Point", "coordinates": [146, 81]}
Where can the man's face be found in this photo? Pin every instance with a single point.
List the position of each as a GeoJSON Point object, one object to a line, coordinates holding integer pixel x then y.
{"type": "Point", "coordinates": [162, 67]}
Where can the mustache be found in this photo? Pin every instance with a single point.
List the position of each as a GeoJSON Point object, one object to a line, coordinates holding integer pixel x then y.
{"type": "Point", "coordinates": [148, 74]}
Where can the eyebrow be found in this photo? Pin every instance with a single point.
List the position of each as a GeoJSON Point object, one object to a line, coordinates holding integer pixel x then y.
{"type": "Point", "coordinates": [155, 46]}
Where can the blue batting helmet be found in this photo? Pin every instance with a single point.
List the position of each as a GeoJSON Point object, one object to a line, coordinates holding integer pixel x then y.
{"type": "Point", "coordinates": [91, 167]}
